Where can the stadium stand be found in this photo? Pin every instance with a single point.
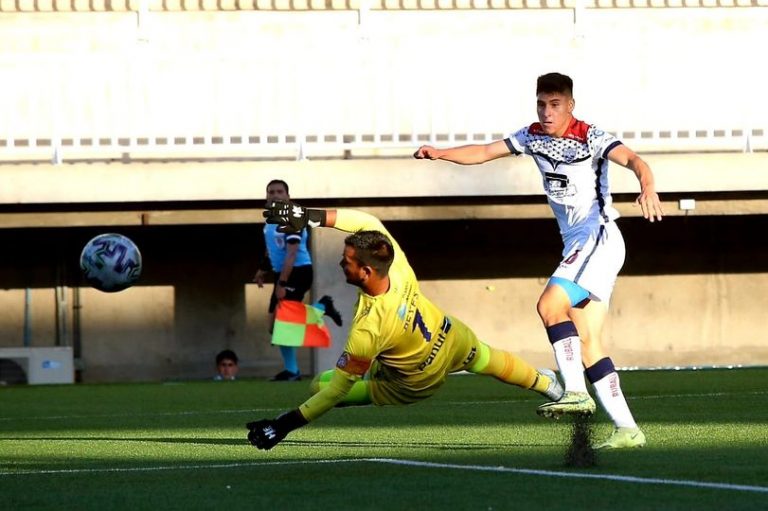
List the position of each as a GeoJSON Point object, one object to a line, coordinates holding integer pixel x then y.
{"type": "Point", "coordinates": [182, 79]}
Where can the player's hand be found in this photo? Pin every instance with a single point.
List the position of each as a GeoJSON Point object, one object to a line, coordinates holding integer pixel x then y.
{"type": "Point", "coordinates": [650, 205]}
{"type": "Point", "coordinates": [426, 152]}
{"type": "Point", "coordinates": [291, 217]}
{"type": "Point", "coordinates": [267, 433]}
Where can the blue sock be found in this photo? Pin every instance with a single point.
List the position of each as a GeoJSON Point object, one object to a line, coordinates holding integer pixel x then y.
{"type": "Point", "coordinates": [289, 359]}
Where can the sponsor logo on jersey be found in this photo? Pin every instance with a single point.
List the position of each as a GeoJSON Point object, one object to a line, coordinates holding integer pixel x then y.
{"type": "Point", "coordinates": [409, 310]}
{"type": "Point", "coordinates": [444, 329]}
{"type": "Point", "coordinates": [558, 185]}
{"type": "Point", "coordinates": [471, 356]}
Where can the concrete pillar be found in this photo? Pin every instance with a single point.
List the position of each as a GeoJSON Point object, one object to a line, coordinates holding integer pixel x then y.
{"type": "Point", "coordinates": [209, 315]}
{"type": "Point", "coordinates": [327, 247]}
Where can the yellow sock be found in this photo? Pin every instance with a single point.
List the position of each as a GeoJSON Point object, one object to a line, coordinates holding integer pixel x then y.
{"type": "Point", "coordinates": [508, 368]}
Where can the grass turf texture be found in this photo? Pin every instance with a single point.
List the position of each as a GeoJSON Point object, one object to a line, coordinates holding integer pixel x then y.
{"type": "Point", "coordinates": [182, 446]}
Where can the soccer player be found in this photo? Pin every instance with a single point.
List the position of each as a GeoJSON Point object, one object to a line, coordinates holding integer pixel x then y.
{"type": "Point", "coordinates": [401, 347]}
{"type": "Point", "coordinates": [573, 159]}
{"type": "Point", "coordinates": [290, 262]}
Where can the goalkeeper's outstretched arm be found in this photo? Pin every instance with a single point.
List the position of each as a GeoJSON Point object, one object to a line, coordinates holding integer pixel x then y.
{"type": "Point", "coordinates": [291, 217]}
{"type": "Point", "coordinates": [267, 433]}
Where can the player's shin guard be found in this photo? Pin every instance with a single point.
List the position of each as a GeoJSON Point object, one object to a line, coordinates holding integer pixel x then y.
{"type": "Point", "coordinates": [358, 395]}
{"type": "Point", "coordinates": [566, 343]}
{"type": "Point", "coordinates": [508, 368]}
{"type": "Point", "coordinates": [605, 380]}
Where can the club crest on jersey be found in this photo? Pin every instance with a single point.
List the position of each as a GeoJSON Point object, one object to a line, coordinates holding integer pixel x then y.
{"type": "Point", "coordinates": [569, 154]}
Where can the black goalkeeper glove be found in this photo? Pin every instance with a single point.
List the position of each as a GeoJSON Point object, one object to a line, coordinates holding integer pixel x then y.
{"type": "Point", "coordinates": [267, 433]}
{"type": "Point", "coordinates": [291, 217]}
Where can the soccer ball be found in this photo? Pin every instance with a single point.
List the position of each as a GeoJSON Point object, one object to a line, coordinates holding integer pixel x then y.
{"type": "Point", "coordinates": [111, 262]}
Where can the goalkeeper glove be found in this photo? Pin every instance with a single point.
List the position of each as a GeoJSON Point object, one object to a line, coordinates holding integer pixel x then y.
{"type": "Point", "coordinates": [291, 217]}
{"type": "Point", "coordinates": [267, 433]}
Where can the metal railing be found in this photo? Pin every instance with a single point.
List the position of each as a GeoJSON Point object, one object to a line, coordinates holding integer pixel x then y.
{"type": "Point", "coordinates": [341, 5]}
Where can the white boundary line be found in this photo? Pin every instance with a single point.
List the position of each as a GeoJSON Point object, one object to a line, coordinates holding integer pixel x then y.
{"type": "Point", "coordinates": [410, 463]}
{"type": "Point", "coordinates": [576, 475]}
{"type": "Point", "coordinates": [171, 467]}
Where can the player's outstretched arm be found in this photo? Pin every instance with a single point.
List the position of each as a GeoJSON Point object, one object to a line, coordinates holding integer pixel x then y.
{"type": "Point", "coordinates": [267, 433]}
{"type": "Point", "coordinates": [292, 217]}
{"type": "Point", "coordinates": [472, 154]}
{"type": "Point", "coordinates": [648, 200]}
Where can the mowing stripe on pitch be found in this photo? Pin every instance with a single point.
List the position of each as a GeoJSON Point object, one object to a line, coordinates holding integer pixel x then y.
{"type": "Point", "coordinates": [410, 463]}
{"type": "Point", "coordinates": [436, 405]}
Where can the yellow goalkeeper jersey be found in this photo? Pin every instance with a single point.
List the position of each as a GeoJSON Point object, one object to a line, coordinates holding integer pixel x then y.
{"type": "Point", "coordinates": [401, 328]}
{"type": "Point", "coordinates": [401, 331]}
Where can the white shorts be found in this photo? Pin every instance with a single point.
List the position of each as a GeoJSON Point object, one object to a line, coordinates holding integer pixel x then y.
{"type": "Point", "coordinates": [594, 261]}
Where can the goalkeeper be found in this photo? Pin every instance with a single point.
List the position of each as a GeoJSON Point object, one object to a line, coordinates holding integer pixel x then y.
{"type": "Point", "coordinates": [401, 347]}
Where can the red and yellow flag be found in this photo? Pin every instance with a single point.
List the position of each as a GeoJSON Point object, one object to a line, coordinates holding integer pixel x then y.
{"type": "Point", "coordinates": [298, 324]}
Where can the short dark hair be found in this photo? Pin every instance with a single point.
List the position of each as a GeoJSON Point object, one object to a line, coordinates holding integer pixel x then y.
{"type": "Point", "coordinates": [278, 182]}
{"type": "Point", "coordinates": [554, 83]}
{"type": "Point", "coordinates": [226, 355]}
{"type": "Point", "coordinates": [372, 248]}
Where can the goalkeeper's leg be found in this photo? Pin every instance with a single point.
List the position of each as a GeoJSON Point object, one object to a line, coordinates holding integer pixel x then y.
{"type": "Point", "coordinates": [512, 369]}
{"type": "Point", "coordinates": [358, 395]}
{"type": "Point", "coordinates": [475, 356]}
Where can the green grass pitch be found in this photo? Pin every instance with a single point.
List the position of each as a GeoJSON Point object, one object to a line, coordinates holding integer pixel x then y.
{"type": "Point", "coordinates": [477, 444]}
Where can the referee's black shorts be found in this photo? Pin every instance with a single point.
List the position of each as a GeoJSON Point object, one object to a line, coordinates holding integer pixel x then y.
{"type": "Point", "coordinates": [299, 282]}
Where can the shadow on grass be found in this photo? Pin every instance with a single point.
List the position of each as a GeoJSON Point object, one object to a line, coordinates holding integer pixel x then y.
{"type": "Point", "coordinates": [410, 445]}
{"type": "Point", "coordinates": [298, 443]}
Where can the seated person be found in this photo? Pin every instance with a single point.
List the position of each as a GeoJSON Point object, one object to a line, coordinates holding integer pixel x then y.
{"type": "Point", "coordinates": [226, 366]}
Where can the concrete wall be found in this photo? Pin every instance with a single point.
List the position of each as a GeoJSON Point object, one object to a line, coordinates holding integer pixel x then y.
{"type": "Point", "coordinates": [692, 292]}
{"type": "Point", "coordinates": [194, 299]}
{"type": "Point", "coordinates": [392, 180]}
